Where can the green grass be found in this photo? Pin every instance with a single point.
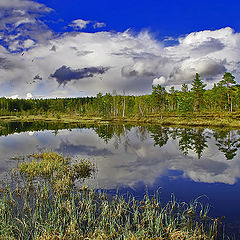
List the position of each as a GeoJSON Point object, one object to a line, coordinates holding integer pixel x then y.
{"type": "Point", "coordinates": [169, 119]}
{"type": "Point", "coordinates": [39, 207]}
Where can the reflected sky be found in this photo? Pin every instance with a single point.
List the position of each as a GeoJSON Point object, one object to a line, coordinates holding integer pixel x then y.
{"type": "Point", "coordinates": [132, 158]}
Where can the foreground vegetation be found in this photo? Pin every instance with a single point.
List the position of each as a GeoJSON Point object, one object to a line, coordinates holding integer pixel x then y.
{"type": "Point", "coordinates": [47, 204]}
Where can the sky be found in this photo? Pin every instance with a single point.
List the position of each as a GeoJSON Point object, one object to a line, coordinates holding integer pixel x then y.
{"type": "Point", "coordinates": [72, 48]}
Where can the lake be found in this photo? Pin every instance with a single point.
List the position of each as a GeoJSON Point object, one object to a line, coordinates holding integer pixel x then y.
{"type": "Point", "coordinates": [186, 162]}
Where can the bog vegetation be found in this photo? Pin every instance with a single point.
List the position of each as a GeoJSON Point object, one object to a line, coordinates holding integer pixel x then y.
{"type": "Point", "coordinates": [223, 97]}
{"type": "Point", "coordinates": [46, 203]}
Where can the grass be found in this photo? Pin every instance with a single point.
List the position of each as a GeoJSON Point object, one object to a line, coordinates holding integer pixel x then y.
{"type": "Point", "coordinates": [60, 172]}
{"type": "Point", "coordinates": [39, 207]}
{"type": "Point", "coordinates": [169, 119]}
{"type": "Point", "coordinates": [92, 215]}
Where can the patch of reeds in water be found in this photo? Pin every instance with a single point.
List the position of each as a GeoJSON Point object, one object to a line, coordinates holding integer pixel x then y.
{"type": "Point", "coordinates": [38, 210]}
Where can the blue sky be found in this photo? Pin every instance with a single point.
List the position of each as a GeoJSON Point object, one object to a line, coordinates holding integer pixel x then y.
{"type": "Point", "coordinates": [163, 18]}
{"type": "Point", "coordinates": [60, 48]}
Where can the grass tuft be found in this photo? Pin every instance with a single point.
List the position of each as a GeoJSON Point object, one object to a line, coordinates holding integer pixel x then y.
{"type": "Point", "coordinates": [52, 208]}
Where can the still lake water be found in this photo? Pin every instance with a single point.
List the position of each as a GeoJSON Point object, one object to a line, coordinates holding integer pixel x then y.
{"type": "Point", "coordinates": [189, 162]}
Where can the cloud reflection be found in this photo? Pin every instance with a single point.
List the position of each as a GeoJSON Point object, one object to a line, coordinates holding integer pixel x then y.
{"type": "Point", "coordinates": [129, 158]}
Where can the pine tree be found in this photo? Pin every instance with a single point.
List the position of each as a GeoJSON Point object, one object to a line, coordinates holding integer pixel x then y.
{"type": "Point", "coordinates": [184, 99]}
{"type": "Point", "coordinates": [228, 79]}
{"type": "Point", "coordinates": [198, 90]}
{"type": "Point", "coordinates": [159, 96]}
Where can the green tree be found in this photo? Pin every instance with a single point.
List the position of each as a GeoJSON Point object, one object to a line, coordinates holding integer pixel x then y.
{"type": "Point", "coordinates": [185, 99]}
{"type": "Point", "coordinates": [198, 90]}
{"type": "Point", "coordinates": [159, 96]}
{"type": "Point", "coordinates": [227, 80]}
{"type": "Point", "coordinates": [173, 97]}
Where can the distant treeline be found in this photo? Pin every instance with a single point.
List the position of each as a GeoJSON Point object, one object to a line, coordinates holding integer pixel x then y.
{"type": "Point", "coordinates": [224, 96]}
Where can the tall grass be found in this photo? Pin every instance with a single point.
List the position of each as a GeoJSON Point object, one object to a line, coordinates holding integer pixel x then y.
{"type": "Point", "coordinates": [37, 210]}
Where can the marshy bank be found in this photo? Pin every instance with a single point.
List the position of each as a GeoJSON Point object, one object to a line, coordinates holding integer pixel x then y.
{"type": "Point", "coordinates": [194, 120]}
{"type": "Point", "coordinates": [43, 201]}
{"type": "Point", "coordinates": [204, 119]}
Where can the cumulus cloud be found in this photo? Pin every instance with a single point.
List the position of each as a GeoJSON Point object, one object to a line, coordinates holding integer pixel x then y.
{"type": "Point", "coordinates": [20, 23]}
{"type": "Point", "coordinates": [106, 61]}
{"type": "Point", "coordinates": [207, 52]}
{"type": "Point", "coordinates": [28, 43]}
{"type": "Point", "coordinates": [65, 74]}
{"type": "Point", "coordinates": [207, 68]}
{"type": "Point", "coordinates": [23, 5]}
{"type": "Point", "coordinates": [79, 24]}
{"type": "Point", "coordinates": [99, 25]}
{"type": "Point", "coordinates": [29, 96]}
{"type": "Point", "coordinates": [159, 81]}
{"type": "Point", "coordinates": [14, 96]}
{"type": "Point", "coordinates": [23, 21]}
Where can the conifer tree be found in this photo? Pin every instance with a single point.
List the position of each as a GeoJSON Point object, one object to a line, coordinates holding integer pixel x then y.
{"type": "Point", "coordinates": [228, 79]}
{"type": "Point", "coordinates": [198, 90]}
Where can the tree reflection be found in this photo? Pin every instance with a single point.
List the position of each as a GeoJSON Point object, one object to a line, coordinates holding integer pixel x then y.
{"type": "Point", "coordinates": [188, 139]}
{"type": "Point", "coordinates": [7, 128]}
{"type": "Point", "coordinates": [192, 139]}
{"type": "Point", "coordinates": [108, 131]}
{"type": "Point", "coordinates": [228, 142]}
{"type": "Point", "coordinates": [185, 142]}
{"type": "Point", "coordinates": [199, 141]}
{"type": "Point", "coordinates": [159, 134]}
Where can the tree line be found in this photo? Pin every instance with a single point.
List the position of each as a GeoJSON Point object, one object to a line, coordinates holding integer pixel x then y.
{"type": "Point", "coordinates": [224, 96]}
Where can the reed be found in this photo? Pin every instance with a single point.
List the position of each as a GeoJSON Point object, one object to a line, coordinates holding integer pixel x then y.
{"type": "Point", "coordinates": [35, 209]}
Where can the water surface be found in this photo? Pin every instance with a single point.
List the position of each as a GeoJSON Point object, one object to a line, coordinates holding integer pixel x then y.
{"type": "Point", "coordinates": [189, 162]}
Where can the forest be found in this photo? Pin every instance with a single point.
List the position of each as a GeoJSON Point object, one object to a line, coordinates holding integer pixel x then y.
{"type": "Point", "coordinates": [224, 96]}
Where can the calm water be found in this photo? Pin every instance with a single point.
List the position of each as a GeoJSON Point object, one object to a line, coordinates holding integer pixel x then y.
{"type": "Point", "coordinates": [184, 161]}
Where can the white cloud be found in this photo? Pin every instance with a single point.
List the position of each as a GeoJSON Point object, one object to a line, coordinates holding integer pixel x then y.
{"type": "Point", "coordinates": [79, 23]}
{"type": "Point", "coordinates": [22, 21]}
{"type": "Point", "coordinates": [14, 96]}
{"type": "Point", "coordinates": [159, 81]}
{"type": "Point", "coordinates": [134, 62]}
{"type": "Point", "coordinates": [99, 25]}
{"type": "Point", "coordinates": [29, 96]}
{"type": "Point", "coordinates": [208, 52]}
{"type": "Point", "coordinates": [13, 46]}
{"type": "Point", "coordinates": [23, 4]}
{"type": "Point", "coordinates": [28, 43]}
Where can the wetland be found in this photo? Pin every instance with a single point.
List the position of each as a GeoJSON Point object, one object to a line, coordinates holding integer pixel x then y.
{"type": "Point", "coordinates": [189, 163]}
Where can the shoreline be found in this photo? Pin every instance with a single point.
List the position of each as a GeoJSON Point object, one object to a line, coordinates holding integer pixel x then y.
{"type": "Point", "coordinates": [217, 120]}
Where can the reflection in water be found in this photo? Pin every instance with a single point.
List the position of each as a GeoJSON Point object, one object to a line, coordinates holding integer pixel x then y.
{"type": "Point", "coordinates": [228, 142]}
{"type": "Point", "coordinates": [192, 139]}
{"type": "Point", "coordinates": [189, 139]}
{"type": "Point", "coordinates": [188, 162]}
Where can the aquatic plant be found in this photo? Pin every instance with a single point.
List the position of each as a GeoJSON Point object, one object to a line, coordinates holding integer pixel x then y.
{"type": "Point", "coordinates": [60, 171]}
{"type": "Point", "coordinates": [39, 210]}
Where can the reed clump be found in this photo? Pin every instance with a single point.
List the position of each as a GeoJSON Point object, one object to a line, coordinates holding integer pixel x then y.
{"type": "Point", "coordinates": [35, 210]}
{"type": "Point", "coordinates": [58, 170]}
